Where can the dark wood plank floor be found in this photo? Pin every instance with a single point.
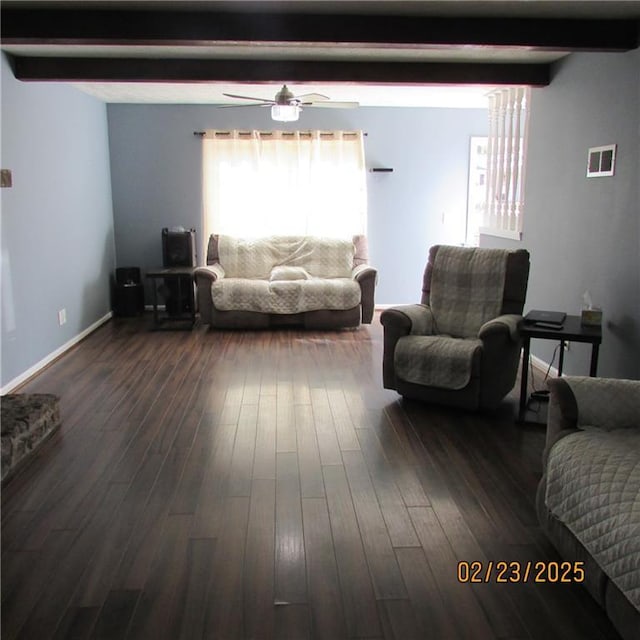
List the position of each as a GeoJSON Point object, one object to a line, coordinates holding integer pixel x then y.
{"type": "Point", "coordinates": [263, 485]}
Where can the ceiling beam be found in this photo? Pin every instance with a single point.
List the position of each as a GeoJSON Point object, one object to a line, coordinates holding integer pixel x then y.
{"type": "Point", "coordinates": [192, 70]}
{"type": "Point", "coordinates": [122, 26]}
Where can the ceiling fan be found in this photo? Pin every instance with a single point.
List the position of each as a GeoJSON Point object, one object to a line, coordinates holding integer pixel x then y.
{"type": "Point", "coordinates": [286, 107]}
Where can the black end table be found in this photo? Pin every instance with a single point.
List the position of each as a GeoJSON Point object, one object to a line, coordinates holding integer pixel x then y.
{"type": "Point", "coordinates": [179, 297]}
{"type": "Point", "coordinates": [572, 330]}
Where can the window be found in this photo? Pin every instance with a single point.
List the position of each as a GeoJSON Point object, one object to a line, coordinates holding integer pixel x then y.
{"type": "Point", "coordinates": [503, 207]}
{"type": "Point", "coordinates": [477, 189]}
{"type": "Point", "coordinates": [287, 183]}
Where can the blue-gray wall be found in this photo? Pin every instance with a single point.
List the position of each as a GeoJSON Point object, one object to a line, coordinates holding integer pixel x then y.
{"type": "Point", "coordinates": [57, 219]}
{"type": "Point", "coordinates": [584, 233]}
{"type": "Point", "coordinates": [156, 176]}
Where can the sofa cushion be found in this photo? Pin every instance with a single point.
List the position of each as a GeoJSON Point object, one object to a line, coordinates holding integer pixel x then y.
{"type": "Point", "coordinates": [436, 361]}
{"type": "Point", "coordinates": [467, 287]}
{"type": "Point", "coordinates": [255, 258]}
{"type": "Point", "coordinates": [593, 488]}
{"type": "Point", "coordinates": [285, 296]}
{"type": "Point", "coordinates": [289, 273]}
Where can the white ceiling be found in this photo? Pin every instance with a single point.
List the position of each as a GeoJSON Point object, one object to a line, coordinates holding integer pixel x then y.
{"type": "Point", "coordinates": [367, 95]}
{"type": "Point", "coordinates": [470, 97]}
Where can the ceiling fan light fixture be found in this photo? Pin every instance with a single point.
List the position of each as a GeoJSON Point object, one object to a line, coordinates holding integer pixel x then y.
{"type": "Point", "coordinates": [285, 112]}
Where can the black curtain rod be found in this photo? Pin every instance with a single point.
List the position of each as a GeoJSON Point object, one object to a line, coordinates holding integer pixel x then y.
{"type": "Point", "coordinates": [204, 133]}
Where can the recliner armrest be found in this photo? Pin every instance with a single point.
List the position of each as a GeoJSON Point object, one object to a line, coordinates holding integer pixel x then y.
{"type": "Point", "coordinates": [601, 403]}
{"type": "Point", "coordinates": [367, 277]}
{"type": "Point", "coordinates": [212, 272]}
{"type": "Point", "coordinates": [415, 319]}
{"type": "Point", "coordinates": [508, 322]}
{"type": "Point", "coordinates": [363, 271]}
{"type": "Point", "coordinates": [605, 403]}
{"type": "Point", "coordinates": [562, 416]}
{"type": "Point", "coordinates": [399, 322]}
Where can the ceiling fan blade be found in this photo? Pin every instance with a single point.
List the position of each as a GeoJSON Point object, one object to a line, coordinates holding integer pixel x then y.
{"type": "Point", "coordinates": [236, 106]}
{"type": "Point", "coordinates": [332, 105]}
{"type": "Point", "coordinates": [311, 97]}
{"type": "Point", "coordinates": [233, 95]}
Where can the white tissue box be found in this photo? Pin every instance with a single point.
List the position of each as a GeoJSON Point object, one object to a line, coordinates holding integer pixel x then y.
{"type": "Point", "coordinates": [592, 317]}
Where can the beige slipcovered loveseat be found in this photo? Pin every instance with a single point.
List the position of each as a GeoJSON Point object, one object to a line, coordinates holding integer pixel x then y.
{"type": "Point", "coordinates": [286, 280]}
{"type": "Point", "coordinates": [589, 497]}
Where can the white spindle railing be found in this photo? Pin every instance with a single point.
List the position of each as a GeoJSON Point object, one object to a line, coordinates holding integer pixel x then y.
{"type": "Point", "coordinates": [506, 146]}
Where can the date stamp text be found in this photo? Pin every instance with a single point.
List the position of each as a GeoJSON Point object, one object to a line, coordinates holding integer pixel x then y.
{"type": "Point", "coordinates": [515, 571]}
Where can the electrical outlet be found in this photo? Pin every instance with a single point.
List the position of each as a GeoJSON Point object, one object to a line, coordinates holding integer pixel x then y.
{"type": "Point", "coordinates": [62, 316]}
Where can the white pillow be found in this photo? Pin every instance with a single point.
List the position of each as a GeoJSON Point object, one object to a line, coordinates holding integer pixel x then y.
{"type": "Point", "coordinates": [288, 273]}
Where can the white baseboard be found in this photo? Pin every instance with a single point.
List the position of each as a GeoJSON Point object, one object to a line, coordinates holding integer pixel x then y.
{"type": "Point", "coordinates": [542, 367]}
{"type": "Point", "coordinates": [31, 371]}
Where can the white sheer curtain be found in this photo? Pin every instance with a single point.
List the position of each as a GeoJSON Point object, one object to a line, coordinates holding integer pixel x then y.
{"type": "Point", "coordinates": [284, 183]}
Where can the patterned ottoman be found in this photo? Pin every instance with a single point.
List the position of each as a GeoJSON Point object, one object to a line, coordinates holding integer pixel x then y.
{"type": "Point", "coordinates": [27, 420]}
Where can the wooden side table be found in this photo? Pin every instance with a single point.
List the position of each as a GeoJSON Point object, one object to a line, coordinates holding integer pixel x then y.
{"type": "Point", "coordinates": [179, 297]}
{"type": "Point", "coordinates": [572, 330]}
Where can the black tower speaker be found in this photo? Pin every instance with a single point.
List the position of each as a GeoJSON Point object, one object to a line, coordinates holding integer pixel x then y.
{"type": "Point", "coordinates": [128, 292]}
{"type": "Point", "coordinates": [178, 248]}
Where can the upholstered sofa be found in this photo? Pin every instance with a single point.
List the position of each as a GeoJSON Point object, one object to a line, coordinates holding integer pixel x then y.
{"type": "Point", "coordinates": [588, 500]}
{"type": "Point", "coordinates": [319, 283]}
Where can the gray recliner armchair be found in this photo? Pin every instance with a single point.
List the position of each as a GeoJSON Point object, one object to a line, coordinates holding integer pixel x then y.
{"type": "Point", "coordinates": [461, 345]}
